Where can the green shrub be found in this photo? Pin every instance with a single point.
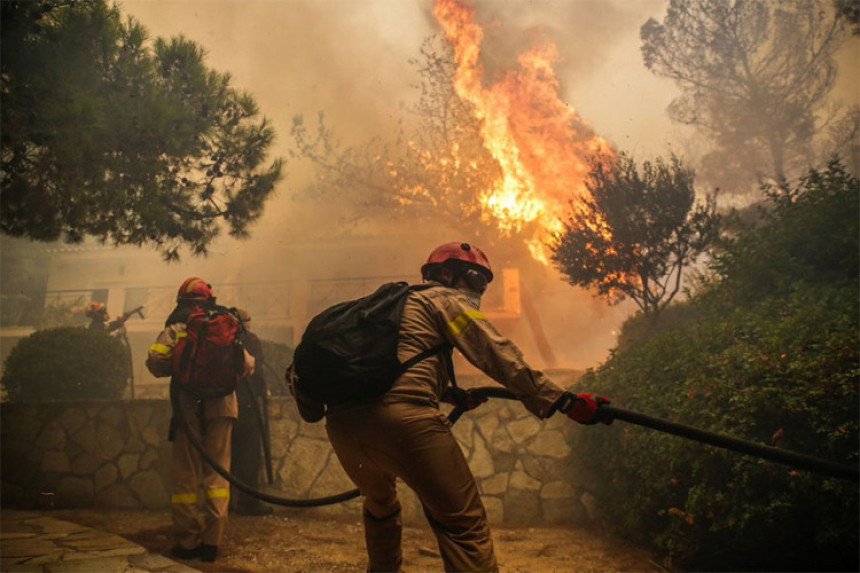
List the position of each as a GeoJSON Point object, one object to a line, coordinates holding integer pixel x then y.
{"type": "Point", "coordinates": [784, 372]}
{"type": "Point", "coordinates": [774, 363]}
{"type": "Point", "coordinates": [810, 234]}
{"type": "Point", "coordinates": [66, 363]}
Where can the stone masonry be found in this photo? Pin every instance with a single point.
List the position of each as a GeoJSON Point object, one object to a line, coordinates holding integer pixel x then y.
{"type": "Point", "coordinates": [116, 454]}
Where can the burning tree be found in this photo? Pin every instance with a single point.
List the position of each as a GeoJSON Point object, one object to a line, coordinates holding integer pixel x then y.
{"type": "Point", "coordinates": [502, 153]}
{"type": "Point", "coordinates": [636, 233]}
{"type": "Point", "coordinates": [430, 171]}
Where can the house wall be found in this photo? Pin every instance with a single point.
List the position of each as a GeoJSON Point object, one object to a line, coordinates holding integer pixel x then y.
{"type": "Point", "coordinates": [282, 286]}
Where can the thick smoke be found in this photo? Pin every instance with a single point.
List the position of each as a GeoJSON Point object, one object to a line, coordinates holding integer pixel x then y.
{"type": "Point", "coordinates": [351, 61]}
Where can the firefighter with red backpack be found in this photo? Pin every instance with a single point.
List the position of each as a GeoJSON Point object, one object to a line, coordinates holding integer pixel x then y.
{"type": "Point", "coordinates": [200, 350]}
{"type": "Point", "coordinates": [403, 434]}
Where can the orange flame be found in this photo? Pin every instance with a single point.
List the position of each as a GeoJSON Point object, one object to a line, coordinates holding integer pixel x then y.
{"type": "Point", "coordinates": [540, 142]}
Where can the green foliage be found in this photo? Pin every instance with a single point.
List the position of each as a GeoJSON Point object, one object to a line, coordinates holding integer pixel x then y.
{"type": "Point", "coordinates": [107, 136]}
{"type": "Point", "coordinates": [66, 363]}
{"type": "Point", "coordinates": [277, 357]}
{"type": "Point", "coordinates": [636, 234]}
{"type": "Point", "coordinates": [811, 235]}
{"type": "Point", "coordinates": [778, 367]}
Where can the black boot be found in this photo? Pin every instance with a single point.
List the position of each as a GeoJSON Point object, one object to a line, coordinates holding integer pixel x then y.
{"type": "Point", "coordinates": [255, 509]}
{"type": "Point", "coordinates": [179, 552]}
{"type": "Point", "coordinates": [207, 553]}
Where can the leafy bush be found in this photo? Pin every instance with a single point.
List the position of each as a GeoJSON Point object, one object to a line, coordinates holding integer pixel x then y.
{"type": "Point", "coordinates": [810, 235]}
{"type": "Point", "coordinates": [778, 365]}
{"type": "Point", "coordinates": [66, 363]}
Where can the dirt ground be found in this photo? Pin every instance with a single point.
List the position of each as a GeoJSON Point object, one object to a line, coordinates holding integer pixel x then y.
{"type": "Point", "coordinates": [299, 542]}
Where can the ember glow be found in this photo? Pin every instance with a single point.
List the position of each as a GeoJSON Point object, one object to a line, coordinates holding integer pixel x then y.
{"type": "Point", "coordinates": [540, 142]}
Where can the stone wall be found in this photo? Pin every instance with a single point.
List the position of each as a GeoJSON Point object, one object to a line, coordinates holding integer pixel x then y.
{"type": "Point", "coordinates": [116, 454]}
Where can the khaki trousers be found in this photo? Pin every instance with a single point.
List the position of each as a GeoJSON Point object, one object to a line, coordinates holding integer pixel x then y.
{"type": "Point", "coordinates": [189, 473]}
{"type": "Point", "coordinates": [378, 443]}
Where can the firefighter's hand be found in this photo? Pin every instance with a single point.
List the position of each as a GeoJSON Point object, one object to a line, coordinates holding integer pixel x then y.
{"type": "Point", "coordinates": [463, 399]}
{"type": "Point", "coordinates": [584, 408]}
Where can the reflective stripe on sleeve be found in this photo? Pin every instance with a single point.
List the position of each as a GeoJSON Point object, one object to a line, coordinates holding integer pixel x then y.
{"type": "Point", "coordinates": [457, 325]}
{"type": "Point", "coordinates": [218, 493]}
{"type": "Point", "coordinates": [181, 334]}
{"type": "Point", "coordinates": [179, 498]}
{"type": "Point", "coordinates": [161, 349]}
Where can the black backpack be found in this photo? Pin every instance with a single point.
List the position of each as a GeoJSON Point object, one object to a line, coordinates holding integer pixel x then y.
{"type": "Point", "coordinates": [348, 353]}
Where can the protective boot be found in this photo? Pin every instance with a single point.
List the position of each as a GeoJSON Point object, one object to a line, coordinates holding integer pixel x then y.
{"type": "Point", "coordinates": [383, 537]}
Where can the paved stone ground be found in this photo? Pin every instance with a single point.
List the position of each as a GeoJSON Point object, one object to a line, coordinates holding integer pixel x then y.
{"type": "Point", "coordinates": [31, 542]}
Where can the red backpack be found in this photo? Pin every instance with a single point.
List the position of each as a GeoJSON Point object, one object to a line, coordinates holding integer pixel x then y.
{"type": "Point", "coordinates": [209, 360]}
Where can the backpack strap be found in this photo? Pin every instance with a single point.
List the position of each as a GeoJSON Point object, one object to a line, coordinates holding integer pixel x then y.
{"type": "Point", "coordinates": [461, 396]}
{"type": "Point", "coordinates": [444, 349]}
{"type": "Point", "coordinates": [421, 356]}
{"type": "Point", "coordinates": [429, 351]}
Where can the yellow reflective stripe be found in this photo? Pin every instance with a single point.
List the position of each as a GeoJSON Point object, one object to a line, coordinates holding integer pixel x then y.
{"type": "Point", "coordinates": [161, 349]}
{"type": "Point", "coordinates": [218, 493]}
{"type": "Point", "coordinates": [181, 334]}
{"type": "Point", "coordinates": [457, 325]}
{"type": "Point", "coordinates": [184, 498]}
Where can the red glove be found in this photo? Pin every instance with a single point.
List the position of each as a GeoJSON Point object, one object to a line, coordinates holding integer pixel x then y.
{"type": "Point", "coordinates": [584, 408]}
{"type": "Point", "coordinates": [462, 399]}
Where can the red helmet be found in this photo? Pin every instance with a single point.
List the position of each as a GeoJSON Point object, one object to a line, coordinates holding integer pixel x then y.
{"type": "Point", "coordinates": [195, 288]}
{"type": "Point", "coordinates": [94, 309]}
{"type": "Point", "coordinates": [465, 252]}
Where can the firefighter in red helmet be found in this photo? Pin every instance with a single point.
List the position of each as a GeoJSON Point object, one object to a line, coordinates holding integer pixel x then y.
{"type": "Point", "coordinates": [195, 289]}
{"type": "Point", "coordinates": [100, 320]}
{"type": "Point", "coordinates": [197, 534]}
{"type": "Point", "coordinates": [403, 434]}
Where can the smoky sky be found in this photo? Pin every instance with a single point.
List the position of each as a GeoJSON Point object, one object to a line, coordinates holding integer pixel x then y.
{"type": "Point", "coordinates": [351, 60]}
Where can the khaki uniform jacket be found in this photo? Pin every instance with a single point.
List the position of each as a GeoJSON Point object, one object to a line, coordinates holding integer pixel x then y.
{"type": "Point", "coordinates": [440, 315]}
{"type": "Point", "coordinates": [445, 315]}
{"type": "Point", "coordinates": [404, 435]}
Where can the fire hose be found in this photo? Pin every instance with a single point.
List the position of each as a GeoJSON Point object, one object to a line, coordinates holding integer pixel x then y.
{"type": "Point", "coordinates": [801, 461]}
{"type": "Point", "coordinates": [240, 485]}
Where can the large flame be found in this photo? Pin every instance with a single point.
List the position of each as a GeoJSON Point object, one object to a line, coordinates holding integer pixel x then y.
{"type": "Point", "coordinates": [540, 142]}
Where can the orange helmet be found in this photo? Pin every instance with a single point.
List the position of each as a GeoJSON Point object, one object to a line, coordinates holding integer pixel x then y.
{"type": "Point", "coordinates": [195, 288]}
{"type": "Point", "coordinates": [469, 254]}
{"type": "Point", "coordinates": [94, 309]}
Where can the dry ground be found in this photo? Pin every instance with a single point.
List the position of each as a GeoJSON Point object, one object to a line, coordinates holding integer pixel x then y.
{"type": "Point", "coordinates": [297, 541]}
